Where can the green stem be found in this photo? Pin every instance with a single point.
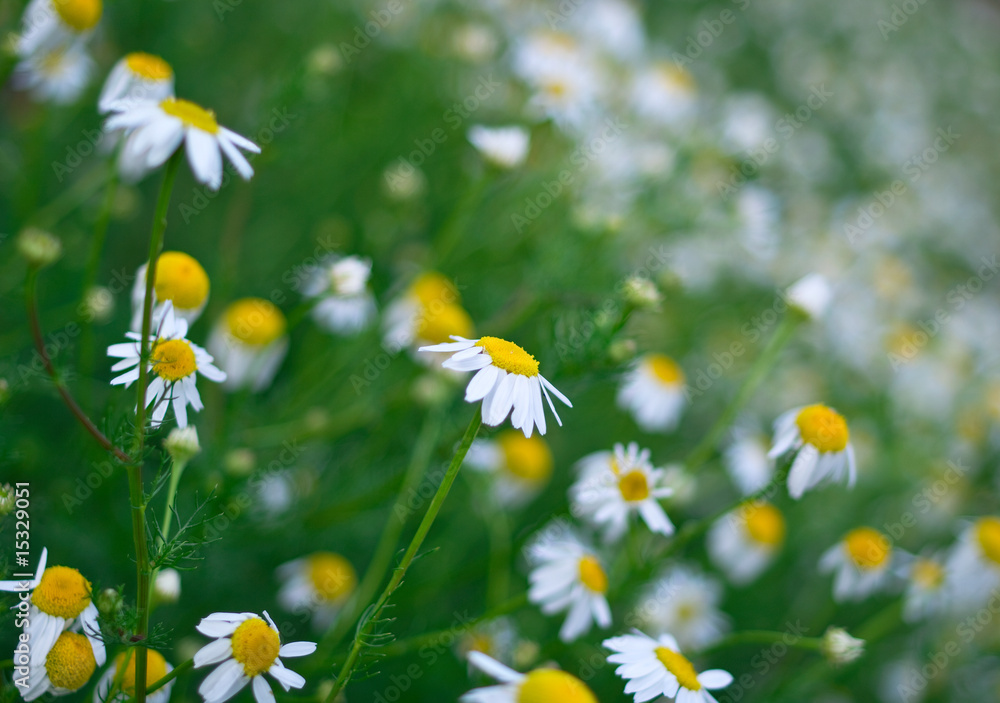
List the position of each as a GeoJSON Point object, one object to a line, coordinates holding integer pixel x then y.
{"type": "Point", "coordinates": [176, 471]}
{"type": "Point", "coordinates": [69, 200]}
{"type": "Point", "coordinates": [368, 621]}
{"type": "Point", "coordinates": [178, 670]}
{"type": "Point", "coordinates": [764, 637]}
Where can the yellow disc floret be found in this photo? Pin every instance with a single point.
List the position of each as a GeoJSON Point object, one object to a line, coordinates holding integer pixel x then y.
{"type": "Point", "coordinates": [191, 114]}
{"type": "Point", "coordinates": [527, 458]}
{"type": "Point", "coordinates": [331, 575]}
{"type": "Point", "coordinates": [765, 524]}
{"type": "Point", "coordinates": [634, 486]}
{"type": "Point", "coordinates": [665, 369]}
{"type": "Point", "coordinates": [156, 669]}
{"type": "Point", "coordinates": [181, 279]}
{"type": "Point", "coordinates": [823, 428]}
{"type": "Point", "coordinates": [509, 357]}
{"type": "Point", "coordinates": [553, 686]}
{"type": "Point", "coordinates": [173, 359]}
{"type": "Point", "coordinates": [868, 548]}
{"type": "Point", "coordinates": [70, 663]}
{"type": "Point", "coordinates": [988, 536]}
{"type": "Point", "coordinates": [148, 66]}
{"type": "Point", "coordinates": [80, 15]}
{"type": "Point", "coordinates": [62, 592]}
{"type": "Point", "coordinates": [927, 574]}
{"type": "Point", "coordinates": [678, 665]}
{"type": "Point", "coordinates": [255, 646]}
{"type": "Point", "coordinates": [255, 321]}
{"type": "Point", "coordinates": [432, 289]}
{"type": "Point", "coordinates": [436, 323]}
{"type": "Point", "coordinates": [592, 575]}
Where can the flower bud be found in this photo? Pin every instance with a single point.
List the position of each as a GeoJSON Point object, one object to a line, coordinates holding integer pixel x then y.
{"type": "Point", "coordinates": [167, 587]}
{"type": "Point", "coordinates": [39, 247]}
{"type": "Point", "coordinates": [239, 462]}
{"type": "Point", "coordinates": [109, 602]}
{"type": "Point", "coordinates": [642, 293]}
{"type": "Point", "coordinates": [839, 647]}
{"type": "Point", "coordinates": [810, 295]}
{"type": "Point", "coordinates": [182, 444]}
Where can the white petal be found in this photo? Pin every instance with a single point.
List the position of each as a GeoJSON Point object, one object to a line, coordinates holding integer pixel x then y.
{"type": "Point", "coordinates": [213, 652]}
{"type": "Point", "coordinates": [490, 666]}
{"type": "Point", "coordinates": [203, 154]}
{"type": "Point", "coordinates": [715, 678]}
{"type": "Point", "coordinates": [262, 690]}
{"type": "Point", "coordinates": [481, 384]}
{"type": "Point", "coordinates": [297, 649]}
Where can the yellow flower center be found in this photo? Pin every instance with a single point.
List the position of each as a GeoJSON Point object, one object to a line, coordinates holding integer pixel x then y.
{"type": "Point", "coordinates": [173, 359]}
{"type": "Point", "coordinates": [553, 686]}
{"type": "Point", "coordinates": [509, 357]}
{"type": "Point", "coordinates": [432, 289]}
{"type": "Point", "coordinates": [191, 114]}
{"type": "Point", "coordinates": [527, 458]}
{"type": "Point", "coordinates": [678, 665]}
{"type": "Point", "coordinates": [255, 321]}
{"type": "Point", "coordinates": [148, 66]}
{"type": "Point", "coordinates": [592, 575]}
{"type": "Point", "coordinates": [634, 486]}
{"type": "Point", "coordinates": [676, 77]}
{"type": "Point", "coordinates": [80, 15]}
{"type": "Point", "coordinates": [765, 524]}
{"type": "Point", "coordinates": [665, 369]}
{"type": "Point", "coordinates": [988, 535]}
{"type": "Point", "coordinates": [255, 646]}
{"type": "Point", "coordinates": [438, 322]}
{"type": "Point", "coordinates": [331, 575]}
{"type": "Point", "coordinates": [62, 592]}
{"type": "Point", "coordinates": [70, 663]}
{"type": "Point", "coordinates": [156, 669]}
{"type": "Point", "coordinates": [181, 279]}
{"type": "Point", "coordinates": [927, 573]}
{"type": "Point", "coordinates": [868, 548]}
{"type": "Point", "coordinates": [823, 428]}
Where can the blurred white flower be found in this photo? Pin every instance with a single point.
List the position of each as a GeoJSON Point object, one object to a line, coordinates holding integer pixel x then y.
{"type": "Point", "coordinates": [179, 279]}
{"type": "Point", "coordinates": [137, 77]}
{"type": "Point", "coordinates": [58, 75]}
{"type": "Point", "coordinates": [821, 441]}
{"type": "Point", "coordinates": [505, 147]}
{"type": "Point", "coordinates": [167, 586]}
{"type": "Point", "coordinates": [684, 603]}
{"type": "Point", "coordinates": [345, 304]}
{"type": "Point", "coordinates": [538, 685]}
{"type": "Point", "coordinates": [156, 668]}
{"type": "Point", "coordinates": [319, 583]}
{"type": "Point", "coordinates": [653, 392]}
{"type": "Point", "coordinates": [745, 542]}
{"type": "Point", "coordinates": [520, 467]}
{"type": "Point", "coordinates": [862, 563]}
{"type": "Point", "coordinates": [249, 343]}
{"type": "Point", "coordinates": [811, 294]}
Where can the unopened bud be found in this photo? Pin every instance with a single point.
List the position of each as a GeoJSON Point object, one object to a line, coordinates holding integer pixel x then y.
{"type": "Point", "coordinates": [167, 587]}
{"type": "Point", "coordinates": [182, 444]}
{"type": "Point", "coordinates": [39, 247]}
{"type": "Point", "coordinates": [840, 648]}
{"type": "Point", "coordinates": [109, 602]}
{"type": "Point", "coordinates": [642, 293]}
{"type": "Point", "coordinates": [240, 462]}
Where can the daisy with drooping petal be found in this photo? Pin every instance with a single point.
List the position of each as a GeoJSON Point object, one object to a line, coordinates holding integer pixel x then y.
{"type": "Point", "coordinates": [520, 466]}
{"type": "Point", "coordinates": [174, 363]}
{"type": "Point", "coordinates": [538, 686]}
{"type": "Point", "coordinates": [156, 129]}
{"type": "Point", "coordinates": [821, 441]}
{"type": "Point", "coordinates": [156, 668]}
{"type": "Point", "coordinates": [614, 485]}
{"type": "Point", "coordinates": [53, 24]}
{"type": "Point", "coordinates": [429, 312]}
{"type": "Point", "coordinates": [685, 603]}
{"type": "Point", "coordinates": [250, 342]}
{"type": "Point", "coordinates": [974, 564]}
{"type": "Point", "coordinates": [928, 589]}
{"type": "Point", "coordinates": [58, 75]}
{"type": "Point", "coordinates": [504, 147]}
{"type": "Point", "coordinates": [653, 392]}
{"type": "Point", "coordinates": [656, 667]}
{"type": "Point", "coordinates": [507, 381]}
{"type": "Point", "coordinates": [567, 576]}
{"type": "Point", "coordinates": [179, 279]}
{"type": "Point", "coordinates": [246, 647]}
{"type": "Point", "coordinates": [344, 304]}
{"type": "Point", "coordinates": [67, 666]}
{"type": "Point", "coordinates": [862, 561]}
{"type": "Point", "coordinates": [319, 583]}
{"type": "Point", "coordinates": [746, 541]}
{"type": "Point", "coordinates": [137, 77]}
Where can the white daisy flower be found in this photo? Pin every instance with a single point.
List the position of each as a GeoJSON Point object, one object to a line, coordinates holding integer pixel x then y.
{"type": "Point", "coordinates": [656, 667]}
{"type": "Point", "coordinates": [174, 363]}
{"type": "Point", "coordinates": [156, 129]}
{"type": "Point", "coordinates": [565, 79]}
{"type": "Point", "coordinates": [250, 342]}
{"type": "Point", "coordinates": [137, 77]}
{"type": "Point", "coordinates": [68, 665]}
{"type": "Point", "coordinates": [820, 438]}
{"type": "Point", "coordinates": [747, 462]}
{"type": "Point", "coordinates": [245, 649]}
{"type": "Point", "coordinates": [685, 603]}
{"type": "Point", "coordinates": [811, 295]}
{"type": "Point", "coordinates": [567, 576]}
{"type": "Point", "coordinates": [179, 279]}
{"type": "Point", "coordinates": [495, 638]}
{"type": "Point", "coordinates": [614, 485]}
{"type": "Point", "coordinates": [167, 585]}
{"type": "Point", "coordinates": [928, 589]}
{"type": "Point", "coordinates": [745, 542]}
{"type": "Point", "coordinates": [653, 392]}
{"type": "Point", "coordinates": [51, 24]}
{"type": "Point", "coordinates": [58, 75]}
{"type": "Point", "coordinates": [504, 147]}
{"type": "Point", "coordinates": [507, 378]}
{"type": "Point", "coordinates": [549, 685]}
{"type": "Point", "coordinates": [344, 305]}
{"type": "Point", "coordinates": [156, 668]}
{"type": "Point", "coordinates": [862, 561]}
{"type": "Point", "coordinates": [665, 94]}
{"type": "Point", "coordinates": [974, 564]}
{"type": "Point", "coordinates": [319, 584]}
{"type": "Point", "coordinates": [429, 312]}
{"type": "Point", "coordinates": [519, 466]}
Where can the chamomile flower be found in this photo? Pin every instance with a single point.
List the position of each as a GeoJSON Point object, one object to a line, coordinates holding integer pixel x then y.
{"type": "Point", "coordinates": [344, 305]}
{"type": "Point", "coordinates": [664, 93]}
{"type": "Point", "coordinates": [179, 279]}
{"type": "Point", "coordinates": [685, 603]}
{"type": "Point", "coordinates": [427, 313]}
{"type": "Point", "coordinates": [246, 647]}
{"type": "Point", "coordinates": [745, 542]}
{"type": "Point", "coordinates": [548, 685]}
{"type": "Point", "coordinates": [653, 392]}
{"type": "Point", "coordinates": [174, 363]}
{"type": "Point", "coordinates": [67, 665]}
{"type": "Point", "coordinates": [861, 561]}
{"type": "Point", "coordinates": [137, 77]}
{"type": "Point", "coordinates": [504, 147]}
{"type": "Point", "coordinates": [156, 668]}
{"type": "Point", "coordinates": [250, 342]}
{"type": "Point", "coordinates": [747, 462]}
{"type": "Point", "coordinates": [319, 583]}
{"type": "Point", "coordinates": [496, 638]}
{"type": "Point", "coordinates": [58, 75]}
{"type": "Point", "coordinates": [51, 24]}
{"type": "Point", "coordinates": [928, 589]}
{"type": "Point", "coordinates": [506, 380]}
{"type": "Point", "coordinates": [519, 466]}
{"type": "Point", "coordinates": [821, 441]}
{"type": "Point", "coordinates": [656, 667]}
{"type": "Point", "coordinates": [568, 576]}
{"type": "Point", "coordinates": [156, 129]}
{"type": "Point", "coordinates": [61, 600]}
{"type": "Point", "coordinates": [614, 485]}
{"type": "Point", "coordinates": [974, 564]}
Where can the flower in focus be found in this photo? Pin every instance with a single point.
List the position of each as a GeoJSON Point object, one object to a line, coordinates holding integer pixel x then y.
{"type": "Point", "coordinates": [504, 147]}
{"type": "Point", "coordinates": [246, 647]}
{"type": "Point", "coordinates": [156, 668]}
{"type": "Point", "coordinates": [840, 648]}
{"type": "Point", "coordinates": [68, 665]}
{"type": "Point", "coordinates": [928, 589]}
{"type": "Point", "coordinates": [821, 441]}
{"type": "Point", "coordinates": [614, 485]}
{"type": "Point", "coordinates": [656, 667]}
{"type": "Point", "coordinates": [429, 312]}
{"type": "Point", "coordinates": [549, 685]}
{"type": "Point", "coordinates": [156, 129]}
{"type": "Point", "coordinates": [506, 380]}
{"type": "Point", "coordinates": [344, 304]}
{"type": "Point", "coordinates": [250, 343]}
{"type": "Point", "coordinates": [653, 392]}
{"type": "Point", "coordinates": [179, 279]}
{"type": "Point", "coordinates": [746, 541]}
{"type": "Point", "coordinates": [684, 603]}
{"type": "Point", "coordinates": [137, 77]}
{"type": "Point", "coordinates": [58, 75]}
{"type": "Point", "coordinates": [747, 462]}
{"type": "Point", "coordinates": [519, 466]}
{"type": "Point", "coordinates": [174, 362]}
{"type": "Point", "coordinates": [862, 561]}
{"type": "Point", "coordinates": [53, 24]}
{"type": "Point", "coordinates": [319, 583]}
{"type": "Point", "coordinates": [974, 564]}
